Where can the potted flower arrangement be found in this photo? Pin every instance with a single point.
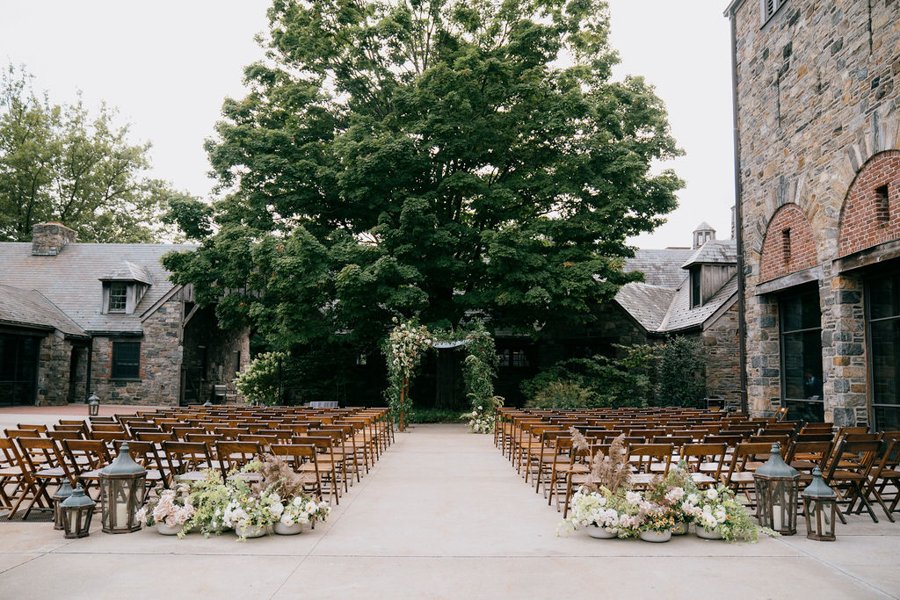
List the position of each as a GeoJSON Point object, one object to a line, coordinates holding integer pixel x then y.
{"type": "Point", "coordinates": [677, 493]}
{"type": "Point", "coordinates": [594, 511]}
{"type": "Point", "coordinates": [721, 516]}
{"type": "Point", "coordinates": [209, 497]}
{"type": "Point", "coordinates": [169, 512]}
{"type": "Point", "coordinates": [251, 514]}
{"type": "Point", "coordinates": [601, 505]}
{"type": "Point", "coordinates": [298, 512]}
{"type": "Point", "coordinates": [282, 485]}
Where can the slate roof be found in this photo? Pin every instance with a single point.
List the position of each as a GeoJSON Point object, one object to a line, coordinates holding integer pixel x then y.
{"type": "Point", "coordinates": [661, 303]}
{"type": "Point", "coordinates": [714, 252]}
{"type": "Point", "coordinates": [28, 308]}
{"type": "Point", "coordinates": [660, 267]}
{"type": "Point", "coordinates": [71, 280]}
{"type": "Point", "coordinates": [647, 304]}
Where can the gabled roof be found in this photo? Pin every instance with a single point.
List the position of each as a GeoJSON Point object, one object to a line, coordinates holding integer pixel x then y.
{"type": "Point", "coordinates": [647, 304]}
{"type": "Point", "coordinates": [71, 280]}
{"type": "Point", "coordinates": [28, 308]}
{"type": "Point", "coordinates": [714, 252]}
{"type": "Point", "coordinates": [681, 316]}
{"type": "Point", "coordinates": [660, 267]}
{"type": "Point", "coordinates": [661, 304]}
{"type": "Point", "coordinates": [128, 271]}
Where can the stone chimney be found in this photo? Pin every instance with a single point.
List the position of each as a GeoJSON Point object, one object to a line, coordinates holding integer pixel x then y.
{"type": "Point", "coordinates": [49, 239]}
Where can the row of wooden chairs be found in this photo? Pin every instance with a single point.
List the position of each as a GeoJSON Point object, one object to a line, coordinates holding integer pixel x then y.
{"type": "Point", "coordinates": [330, 458]}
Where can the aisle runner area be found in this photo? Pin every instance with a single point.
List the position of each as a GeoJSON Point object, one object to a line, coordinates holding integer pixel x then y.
{"type": "Point", "coordinates": [443, 515]}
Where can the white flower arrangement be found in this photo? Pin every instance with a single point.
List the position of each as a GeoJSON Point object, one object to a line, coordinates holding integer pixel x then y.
{"type": "Point", "coordinates": [303, 510]}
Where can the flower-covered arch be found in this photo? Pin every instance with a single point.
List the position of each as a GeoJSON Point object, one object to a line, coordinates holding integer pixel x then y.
{"type": "Point", "coordinates": [404, 349]}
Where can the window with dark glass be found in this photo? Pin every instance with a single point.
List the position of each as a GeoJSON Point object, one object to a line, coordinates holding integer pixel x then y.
{"type": "Point", "coordinates": [126, 360]}
{"type": "Point", "coordinates": [883, 295]}
{"type": "Point", "coordinates": [801, 355]}
{"type": "Point", "coordinates": [695, 287]}
{"type": "Point", "coordinates": [118, 292]}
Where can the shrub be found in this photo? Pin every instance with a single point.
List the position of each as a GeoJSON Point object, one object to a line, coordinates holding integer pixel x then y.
{"type": "Point", "coordinates": [681, 373]}
{"type": "Point", "coordinates": [562, 394]}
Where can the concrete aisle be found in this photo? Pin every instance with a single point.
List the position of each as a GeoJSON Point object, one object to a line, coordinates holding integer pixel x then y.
{"type": "Point", "coordinates": [443, 515]}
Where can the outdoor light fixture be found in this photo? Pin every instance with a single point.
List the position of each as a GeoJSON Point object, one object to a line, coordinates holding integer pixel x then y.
{"type": "Point", "coordinates": [820, 508]}
{"type": "Point", "coordinates": [77, 511]}
{"type": "Point", "coordinates": [122, 493]}
{"type": "Point", "coordinates": [94, 405]}
{"type": "Point", "coordinates": [62, 492]}
{"type": "Point", "coordinates": [777, 487]}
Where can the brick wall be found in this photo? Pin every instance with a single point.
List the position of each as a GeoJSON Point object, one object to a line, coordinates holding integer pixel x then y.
{"type": "Point", "coordinates": [817, 99]}
{"type": "Point", "coordinates": [789, 244]}
{"type": "Point", "coordinates": [871, 213]}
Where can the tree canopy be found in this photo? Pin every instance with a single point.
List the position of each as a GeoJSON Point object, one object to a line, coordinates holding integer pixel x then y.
{"type": "Point", "coordinates": [443, 159]}
{"type": "Point", "coordinates": [60, 163]}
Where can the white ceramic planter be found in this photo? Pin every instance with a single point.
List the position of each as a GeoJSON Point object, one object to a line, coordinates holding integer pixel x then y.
{"type": "Point", "coordinates": [251, 532]}
{"type": "Point", "coordinates": [282, 529]}
{"type": "Point", "coordinates": [600, 533]}
{"type": "Point", "coordinates": [657, 537]}
{"type": "Point", "coordinates": [708, 534]}
{"type": "Point", "coordinates": [164, 529]}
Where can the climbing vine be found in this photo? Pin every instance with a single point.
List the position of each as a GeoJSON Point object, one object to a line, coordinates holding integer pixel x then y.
{"type": "Point", "coordinates": [404, 349]}
{"type": "Point", "coordinates": [403, 352]}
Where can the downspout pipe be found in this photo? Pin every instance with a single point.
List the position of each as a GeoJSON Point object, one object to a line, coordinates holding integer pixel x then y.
{"type": "Point", "coordinates": [738, 215]}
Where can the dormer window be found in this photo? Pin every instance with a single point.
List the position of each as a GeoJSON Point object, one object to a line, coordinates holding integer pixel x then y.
{"type": "Point", "coordinates": [118, 296]}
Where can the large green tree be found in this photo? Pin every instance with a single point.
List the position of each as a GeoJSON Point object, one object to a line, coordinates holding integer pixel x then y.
{"type": "Point", "coordinates": [431, 158]}
{"type": "Point", "coordinates": [60, 163]}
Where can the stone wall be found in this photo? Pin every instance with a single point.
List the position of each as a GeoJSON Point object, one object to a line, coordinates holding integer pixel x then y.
{"type": "Point", "coordinates": [53, 370]}
{"type": "Point", "coordinates": [720, 344]}
{"type": "Point", "coordinates": [817, 100]}
{"type": "Point", "coordinates": [159, 382]}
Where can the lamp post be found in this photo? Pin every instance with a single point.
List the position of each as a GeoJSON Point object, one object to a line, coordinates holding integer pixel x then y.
{"type": "Point", "coordinates": [820, 509]}
{"type": "Point", "coordinates": [777, 487]}
{"type": "Point", "coordinates": [94, 405]}
{"type": "Point", "coordinates": [77, 511]}
{"type": "Point", "coordinates": [122, 493]}
{"type": "Point", "coordinates": [60, 496]}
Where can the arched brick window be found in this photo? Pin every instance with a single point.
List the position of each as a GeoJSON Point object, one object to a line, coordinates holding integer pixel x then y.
{"type": "Point", "coordinates": [871, 213]}
{"type": "Point", "coordinates": [789, 245]}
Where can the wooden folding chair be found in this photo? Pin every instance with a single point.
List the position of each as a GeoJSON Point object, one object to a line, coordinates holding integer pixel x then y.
{"type": "Point", "coordinates": [886, 472]}
{"type": "Point", "coordinates": [149, 456]}
{"type": "Point", "coordinates": [745, 459]}
{"type": "Point", "coordinates": [86, 458]}
{"type": "Point", "coordinates": [302, 458]}
{"type": "Point", "coordinates": [42, 464]}
{"type": "Point", "coordinates": [648, 461]}
{"type": "Point", "coordinates": [234, 455]}
{"type": "Point", "coordinates": [327, 464]}
{"type": "Point", "coordinates": [10, 474]}
{"type": "Point", "coordinates": [848, 473]}
{"type": "Point", "coordinates": [704, 462]}
{"type": "Point", "coordinates": [187, 461]}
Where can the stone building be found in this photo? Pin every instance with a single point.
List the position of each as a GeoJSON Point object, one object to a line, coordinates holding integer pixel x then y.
{"type": "Point", "coordinates": [82, 318]}
{"type": "Point", "coordinates": [689, 291]}
{"type": "Point", "coordinates": [818, 183]}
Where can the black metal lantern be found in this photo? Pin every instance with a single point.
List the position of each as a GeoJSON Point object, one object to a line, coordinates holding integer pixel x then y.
{"type": "Point", "coordinates": [777, 487]}
{"type": "Point", "coordinates": [77, 511]}
{"type": "Point", "coordinates": [820, 506]}
{"type": "Point", "coordinates": [94, 405]}
{"type": "Point", "coordinates": [122, 493]}
{"type": "Point", "coordinates": [62, 492]}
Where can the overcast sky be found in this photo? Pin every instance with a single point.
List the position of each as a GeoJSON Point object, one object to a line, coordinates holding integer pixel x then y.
{"type": "Point", "coordinates": [168, 64]}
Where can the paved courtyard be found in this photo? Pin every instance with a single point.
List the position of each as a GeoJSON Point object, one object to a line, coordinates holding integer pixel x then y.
{"type": "Point", "coordinates": [443, 515]}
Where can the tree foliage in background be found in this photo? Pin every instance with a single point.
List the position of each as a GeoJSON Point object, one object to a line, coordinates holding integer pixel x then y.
{"type": "Point", "coordinates": [260, 382]}
{"type": "Point", "coordinates": [668, 374]}
{"type": "Point", "coordinates": [60, 163]}
{"type": "Point", "coordinates": [436, 159]}
{"type": "Point", "coordinates": [681, 373]}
